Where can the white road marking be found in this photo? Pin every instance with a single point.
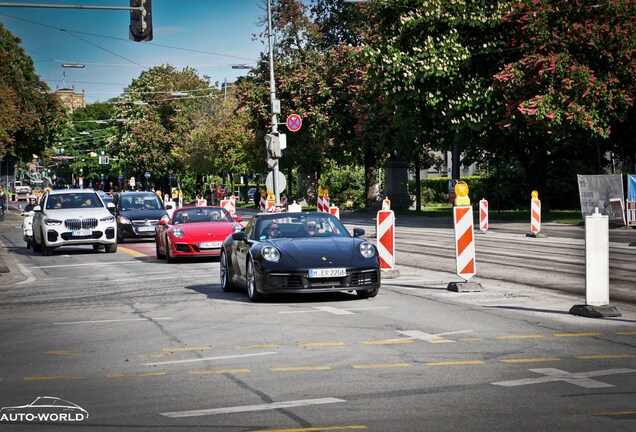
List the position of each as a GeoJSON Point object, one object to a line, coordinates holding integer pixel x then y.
{"type": "Point", "coordinates": [111, 321]}
{"type": "Point", "coordinates": [248, 408]}
{"type": "Point", "coordinates": [208, 359]}
{"type": "Point", "coordinates": [432, 338]}
{"type": "Point", "coordinates": [96, 264]}
{"type": "Point", "coordinates": [581, 379]}
{"type": "Point", "coordinates": [332, 310]}
{"type": "Point", "coordinates": [25, 271]}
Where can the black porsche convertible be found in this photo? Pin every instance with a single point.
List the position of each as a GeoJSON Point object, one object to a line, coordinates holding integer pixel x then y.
{"type": "Point", "coordinates": [305, 252]}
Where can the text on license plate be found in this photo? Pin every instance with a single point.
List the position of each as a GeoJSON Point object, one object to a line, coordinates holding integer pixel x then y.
{"type": "Point", "coordinates": [82, 233]}
{"type": "Point", "coordinates": [210, 245]}
{"type": "Point", "coordinates": [145, 228]}
{"type": "Point", "coordinates": [327, 272]}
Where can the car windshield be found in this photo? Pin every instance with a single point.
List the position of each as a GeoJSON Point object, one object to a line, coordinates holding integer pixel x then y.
{"type": "Point", "coordinates": [140, 202]}
{"type": "Point", "coordinates": [312, 225]}
{"type": "Point", "coordinates": [73, 200]}
{"type": "Point", "coordinates": [200, 214]}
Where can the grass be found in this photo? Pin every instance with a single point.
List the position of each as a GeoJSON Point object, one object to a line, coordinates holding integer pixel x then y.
{"type": "Point", "coordinates": [570, 217]}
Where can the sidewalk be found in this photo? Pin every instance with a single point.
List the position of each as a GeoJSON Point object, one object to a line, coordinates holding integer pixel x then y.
{"type": "Point", "coordinates": [12, 218]}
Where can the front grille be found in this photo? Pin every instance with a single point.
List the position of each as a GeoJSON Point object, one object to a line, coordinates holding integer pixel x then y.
{"type": "Point", "coordinates": [78, 224]}
{"type": "Point", "coordinates": [145, 222]}
{"type": "Point", "coordinates": [297, 281]}
{"type": "Point", "coordinates": [182, 247]}
{"type": "Point", "coordinates": [364, 278]}
{"type": "Point", "coordinates": [94, 236]}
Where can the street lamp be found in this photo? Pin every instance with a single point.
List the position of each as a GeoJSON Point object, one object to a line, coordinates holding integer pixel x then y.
{"type": "Point", "coordinates": [275, 103]}
{"type": "Point", "coordinates": [73, 65]}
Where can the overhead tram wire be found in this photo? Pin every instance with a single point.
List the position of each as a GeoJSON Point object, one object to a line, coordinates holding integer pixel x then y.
{"type": "Point", "coordinates": [73, 32]}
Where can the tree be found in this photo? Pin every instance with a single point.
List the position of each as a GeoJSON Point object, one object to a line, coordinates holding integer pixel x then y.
{"type": "Point", "coordinates": [151, 138]}
{"type": "Point", "coordinates": [324, 80]}
{"type": "Point", "coordinates": [30, 116]}
{"type": "Point", "coordinates": [571, 83]}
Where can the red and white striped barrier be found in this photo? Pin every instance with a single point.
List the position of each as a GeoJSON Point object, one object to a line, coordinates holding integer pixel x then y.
{"type": "Point", "coordinates": [464, 241]}
{"type": "Point", "coordinates": [631, 213]}
{"type": "Point", "coordinates": [386, 204]}
{"type": "Point", "coordinates": [385, 230]}
{"type": "Point", "coordinates": [201, 202]}
{"type": "Point", "coordinates": [535, 216]}
{"type": "Point", "coordinates": [335, 210]}
{"type": "Point", "coordinates": [229, 205]}
{"type": "Point", "coordinates": [323, 204]}
{"type": "Point", "coordinates": [483, 215]}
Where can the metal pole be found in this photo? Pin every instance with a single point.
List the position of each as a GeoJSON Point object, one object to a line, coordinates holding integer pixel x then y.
{"type": "Point", "coordinates": [272, 91]}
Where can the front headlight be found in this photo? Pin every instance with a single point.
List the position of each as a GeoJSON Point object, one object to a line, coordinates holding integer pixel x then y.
{"type": "Point", "coordinates": [52, 222]}
{"type": "Point", "coordinates": [124, 220]}
{"type": "Point", "coordinates": [367, 250]}
{"type": "Point", "coordinates": [108, 219]}
{"type": "Point", "coordinates": [177, 233]}
{"type": "Point", "coordinates": [270, 253]}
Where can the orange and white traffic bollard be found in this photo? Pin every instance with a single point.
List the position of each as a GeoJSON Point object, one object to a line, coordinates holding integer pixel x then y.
{"type": "Point", "coordinates": [535, 214]}
{"type": "Point", "coordinates": [385, 229]}
{"type": "Point", "coordinates": [464, 241]}
{"type": "Point", "coordinates": [483, 215]}
{"type": "Point", "coordinates": [386, 204]}
{"type": "Point", "coordinates": [335, 210]}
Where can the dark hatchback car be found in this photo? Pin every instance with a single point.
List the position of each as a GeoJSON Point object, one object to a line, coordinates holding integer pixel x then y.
{"type": "Point", "coordinates": [138, 214]}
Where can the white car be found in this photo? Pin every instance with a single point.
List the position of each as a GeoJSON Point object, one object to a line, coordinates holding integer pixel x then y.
{"type": "Point", "coordinates": [68, 217]}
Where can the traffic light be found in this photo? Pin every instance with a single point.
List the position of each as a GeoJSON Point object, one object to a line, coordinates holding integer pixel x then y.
{"type": "Point", "coordinates": [273, 148]}
{"type": "Point", "coordinates": [141, 21]}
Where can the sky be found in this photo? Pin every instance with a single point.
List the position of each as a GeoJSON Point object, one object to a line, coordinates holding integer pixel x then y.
{"type": "Point", "coordinates": [209, 35]}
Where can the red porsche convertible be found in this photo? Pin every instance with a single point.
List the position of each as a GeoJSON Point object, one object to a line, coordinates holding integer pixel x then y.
{"type": "Point", "coordinates": [194, 232]}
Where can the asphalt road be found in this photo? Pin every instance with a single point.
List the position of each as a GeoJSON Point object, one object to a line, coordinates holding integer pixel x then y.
{"type": "Point", "coordinates": [145, 345]}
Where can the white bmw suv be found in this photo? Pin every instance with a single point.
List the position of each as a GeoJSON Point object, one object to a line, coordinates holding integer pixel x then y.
{"type": "Point", "coordinates": [67, 217]}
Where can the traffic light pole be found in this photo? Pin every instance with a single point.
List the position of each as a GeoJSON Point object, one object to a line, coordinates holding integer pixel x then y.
{"type": "Point", "coordinates": [275, 107]}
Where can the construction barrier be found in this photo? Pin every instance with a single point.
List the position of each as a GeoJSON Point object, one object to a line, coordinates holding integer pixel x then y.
{"type": "Point", "coordinates": [483, 215]}
{"type": "Point", "coordinates": [535, 216]}
{"type": "Point", "coordinates": [386, 204]}
{"type": "Point", "coordinates": [323, 201]}
{"type": "Point", "coordinates": [201, 202]}
{"type": "Point", "coordinates": [335, 210]}
{"type": "Point", "coordinates": [631, 213]}
{"type": "Point", "coordinates": [229, 205]}
{"type": "Point", "coordinates": [385, 230]}
{"type": "Point", "coordinates": [464, 241]}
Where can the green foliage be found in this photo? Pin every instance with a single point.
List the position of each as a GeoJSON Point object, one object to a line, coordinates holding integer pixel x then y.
{"type": "Point", "coordinates": [345, 184]}
{"type": "Point", "coordinates": [30, 116]}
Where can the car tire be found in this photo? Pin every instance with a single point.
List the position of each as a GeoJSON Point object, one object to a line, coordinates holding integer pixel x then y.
{"type": "Point", "coordinates": [365, 294]}
{"type": "Point", "coordinates": [37, 247]}
{"type": "Point", "coordinates": [97, 247]}
{"type": "Point", "coordinates": [46, 250]}
{"type": "Point", "coordinates": [159, 254]}
{"type": "Point", "coordinates": [169, 258]}
{"type": "Point", "coordinates": [111, 248]}
{"type": "Point", "coordinates": [226, 276]}
{"type": "Point", "coordinates": [252, 291]}
{"type": "Point", "coordinates": [120, 239]}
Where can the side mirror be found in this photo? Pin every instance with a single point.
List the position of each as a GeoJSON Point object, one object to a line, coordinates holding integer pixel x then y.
{"type": "Point", "coordinates": [358, 232]}
{"type": "Point", "coordinates": [238, 218]}
{"type": "Point", "coordinates": [169, 206]}
{"type": "Point", "coordinates": [37, 208]}
{"type": "Point", "coordinates": [239, 236]}
{"type": "Point", "coordinates": [163, 222]}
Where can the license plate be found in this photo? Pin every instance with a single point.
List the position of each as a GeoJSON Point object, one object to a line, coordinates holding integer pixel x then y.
{"type": "Point", "coordinates": [82, 233]}
{"type": "Point", "coordinates": [145, 229]}
{"type": "Point", "coordinates": [210, 245]}
{"type": "Point", "coordinates": [327, 272]}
